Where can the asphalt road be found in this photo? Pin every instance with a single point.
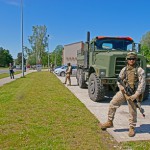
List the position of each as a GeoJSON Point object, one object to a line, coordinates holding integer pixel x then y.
{"type": "Point", "coordinates": [4, 71]}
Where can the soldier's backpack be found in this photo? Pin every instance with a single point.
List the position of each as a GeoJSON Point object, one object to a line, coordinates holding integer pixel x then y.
{"type": "Point", "coordinates": [71, 70]}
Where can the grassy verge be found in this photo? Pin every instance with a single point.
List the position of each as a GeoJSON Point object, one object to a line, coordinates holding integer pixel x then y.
{"type": "Point", "coordinates": [38, 112]}
{"type": "Point", "coordinates": [4, 68]}
{"type": "Point", "coordinates": [4, 75]}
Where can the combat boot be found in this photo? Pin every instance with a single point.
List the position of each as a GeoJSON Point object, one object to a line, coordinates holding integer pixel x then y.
{"type": "Point", "coordinates": [106, 125]}
{"type": "Point", "coordinates": [131, 131]}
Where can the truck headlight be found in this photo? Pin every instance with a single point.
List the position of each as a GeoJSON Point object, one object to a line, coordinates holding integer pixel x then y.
{"type": "Point", "coordinates": [102, 73]}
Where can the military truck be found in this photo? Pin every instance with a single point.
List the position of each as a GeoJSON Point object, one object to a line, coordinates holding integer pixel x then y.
{"type": "Point", "coordinates": [100, 62]}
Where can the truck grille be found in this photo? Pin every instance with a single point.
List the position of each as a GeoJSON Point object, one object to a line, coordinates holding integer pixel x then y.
{"type": "Point", "coordinates": [120, 63]}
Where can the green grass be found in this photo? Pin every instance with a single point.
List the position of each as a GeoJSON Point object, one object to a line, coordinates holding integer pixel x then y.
{"type": "Point", "coordinates": [4, 75]}
{"type": "Point", "coordinates": [39, 112]}
{"type": "Point", "coordinates": [4, 68]}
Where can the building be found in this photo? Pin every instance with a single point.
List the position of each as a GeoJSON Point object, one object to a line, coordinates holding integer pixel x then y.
{"type": "Point", "coordinates": [70, 53]}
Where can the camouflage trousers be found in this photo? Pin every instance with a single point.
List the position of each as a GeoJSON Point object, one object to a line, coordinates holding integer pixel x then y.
{"type": "Point", "coordinates": [116, 102]}
{"type": "Point", "coordinates": [68, 78]}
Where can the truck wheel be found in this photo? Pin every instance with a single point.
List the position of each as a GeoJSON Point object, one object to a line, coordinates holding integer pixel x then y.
{"type": "Point", "coordinates": [95, 88]}
{"type": "Point", "coordinates": [77, 76]}
{"type": "Point", "coordinates": [146, 93]}
{"type": "Point", "coordinates": [82, 83]}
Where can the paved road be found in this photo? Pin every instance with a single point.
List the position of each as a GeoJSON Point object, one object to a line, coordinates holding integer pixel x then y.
{"type": "Point", "coordinates": [100, 110]}
{"type": "Point", "coordinates": [7, 80]}
{"type": "Point", "coordinates": [4, 71]}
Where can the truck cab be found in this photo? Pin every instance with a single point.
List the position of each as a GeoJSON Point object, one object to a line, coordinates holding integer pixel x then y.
{"type": "Point", "coordinates": [100, 62]}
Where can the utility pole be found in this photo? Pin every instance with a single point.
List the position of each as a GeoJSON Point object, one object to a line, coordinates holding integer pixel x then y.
{"type": "Point", "coordinates": [48, 53]}
{"type": "Point", "coordinates": [55, 58]}
{"type": "Point", "coordinates": [22, 38]}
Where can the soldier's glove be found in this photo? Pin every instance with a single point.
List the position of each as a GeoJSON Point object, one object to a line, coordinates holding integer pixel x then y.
{"type": "Point", "coordinates": [122, 89]}
{"type": "Point", "coordinates": [134, 96]}
{"type": "Point", "coordinates": [127, 97]}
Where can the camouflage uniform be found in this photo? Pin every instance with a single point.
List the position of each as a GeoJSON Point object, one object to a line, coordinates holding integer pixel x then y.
{"type": "Point", "coordinates": [68, 73]}
{"type": "Point", "coordinates": [133, 76]}
{"type": "Point", "coordinates": [119, 98]}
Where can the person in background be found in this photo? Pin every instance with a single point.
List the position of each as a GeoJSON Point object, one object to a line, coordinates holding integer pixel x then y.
{"type": "Point", "coordinates": [25, 68]}
{"type": "Point", "coordinates": [68, 74]}
{"type": "Point", "coordinates": [51, 67]}
{"type": "Point", "coordinates": [11, 71]}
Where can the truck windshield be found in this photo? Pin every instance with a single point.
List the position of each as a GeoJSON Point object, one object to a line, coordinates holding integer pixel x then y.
{"type": "Point", "coordinates": [113, 44]}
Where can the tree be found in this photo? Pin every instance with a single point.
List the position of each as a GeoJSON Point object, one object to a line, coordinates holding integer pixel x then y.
{"type": "Point", "coordinates": [145, 45]}
{"type": "Point", "coordinates": [58, 51]}
{"type": "Point", "coordinates": [39, 42]}
{"type": "Point", "coordinates": [56, 56]}
{"type": "Point", "coordinates": [45, 59]}
{"type": "Point", "coordinates": [5, 57]}
{"type": "Point", "coordinates": [19, 59]}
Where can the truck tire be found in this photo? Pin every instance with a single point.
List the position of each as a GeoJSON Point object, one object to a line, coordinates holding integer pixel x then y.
{"type": "Point", "coordinates": [95, 88]}
{"type": "Point", "coordinates": [147, 92]}
{"type": "Point", "coordinates": [77, 76]}
{"type": "Point", "coordinates": [82, 83]}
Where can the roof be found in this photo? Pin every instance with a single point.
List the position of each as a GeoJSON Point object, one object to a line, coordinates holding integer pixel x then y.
{"type": "Point", "coordinates": [107, 37]}
{"type": "Point", "coordinates": [74, 43]}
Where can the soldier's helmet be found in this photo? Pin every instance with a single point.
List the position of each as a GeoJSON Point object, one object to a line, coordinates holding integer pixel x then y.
{"type": "Point", "coordinates": [131, 55]}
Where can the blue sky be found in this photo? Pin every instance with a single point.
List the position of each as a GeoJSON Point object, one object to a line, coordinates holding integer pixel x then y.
{"type": "Point", "coordinates": [68, 21]}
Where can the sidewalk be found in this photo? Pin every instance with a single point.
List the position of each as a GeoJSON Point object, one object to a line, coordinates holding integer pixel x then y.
{"type": "Point", "coordinates": [7, 80]}
{"type": "Point", "coordinates": [100, 111]}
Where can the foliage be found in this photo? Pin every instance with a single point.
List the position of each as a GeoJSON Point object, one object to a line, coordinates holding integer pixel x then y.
{"type": "Point", "coordinates": [56, 56]}
{"type": "Point", "coordinates": [19, 59]}
{"type": "Point", "coordinates": [5, 57]}
{"type": "Point", "coordinates": [45, 59]}
{"type": "Point", "coordinates": [39, 52]}
{"type": "Point", "coordinates": [145, 45]}
{"type": "Point", "coordinates": [146, 40]}
{"type": "Point", "coordinates": [145, 50]}
{"type": "Point", "coordinates": [39, 43]}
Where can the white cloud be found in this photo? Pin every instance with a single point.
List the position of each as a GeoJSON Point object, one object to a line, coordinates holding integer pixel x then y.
{"type": "Point", "coordinates": [12, 2]}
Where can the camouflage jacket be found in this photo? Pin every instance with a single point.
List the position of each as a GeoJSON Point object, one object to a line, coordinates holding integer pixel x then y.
{"type": "Point", "coordinates": [141, 80]}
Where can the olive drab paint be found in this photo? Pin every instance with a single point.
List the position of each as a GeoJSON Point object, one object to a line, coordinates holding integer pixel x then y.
{"type": "Point", "coordinates": [101, 61]}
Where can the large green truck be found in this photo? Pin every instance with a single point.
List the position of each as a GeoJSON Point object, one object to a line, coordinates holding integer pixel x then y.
{"type": "Point", "coordinates": [100, 62]}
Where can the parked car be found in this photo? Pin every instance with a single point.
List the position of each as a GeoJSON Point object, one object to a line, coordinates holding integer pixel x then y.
{"type": "Point", "coordinates": [62, 71]}
{"type": "Point", "coordinates": [57, 67]}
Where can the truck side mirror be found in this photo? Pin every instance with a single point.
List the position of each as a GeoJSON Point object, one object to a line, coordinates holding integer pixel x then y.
{"type": "Point", "coordinates": [139, 47]}
{"type": "Point", "coordinates": [133, 46]}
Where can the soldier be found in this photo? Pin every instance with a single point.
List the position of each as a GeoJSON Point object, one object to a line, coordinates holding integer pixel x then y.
{"type": "Point", "coordinates": [135, 77]}
{"type": "Point", "coordinates": [68, 73]}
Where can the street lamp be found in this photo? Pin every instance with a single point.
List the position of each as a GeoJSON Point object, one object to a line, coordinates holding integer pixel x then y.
{"type": "Point", "coordinates": [48, 53]}
{"type": "Point", "coordinates": [55, 59]}
{"type": "Point", "coordinates": [22, 38]}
